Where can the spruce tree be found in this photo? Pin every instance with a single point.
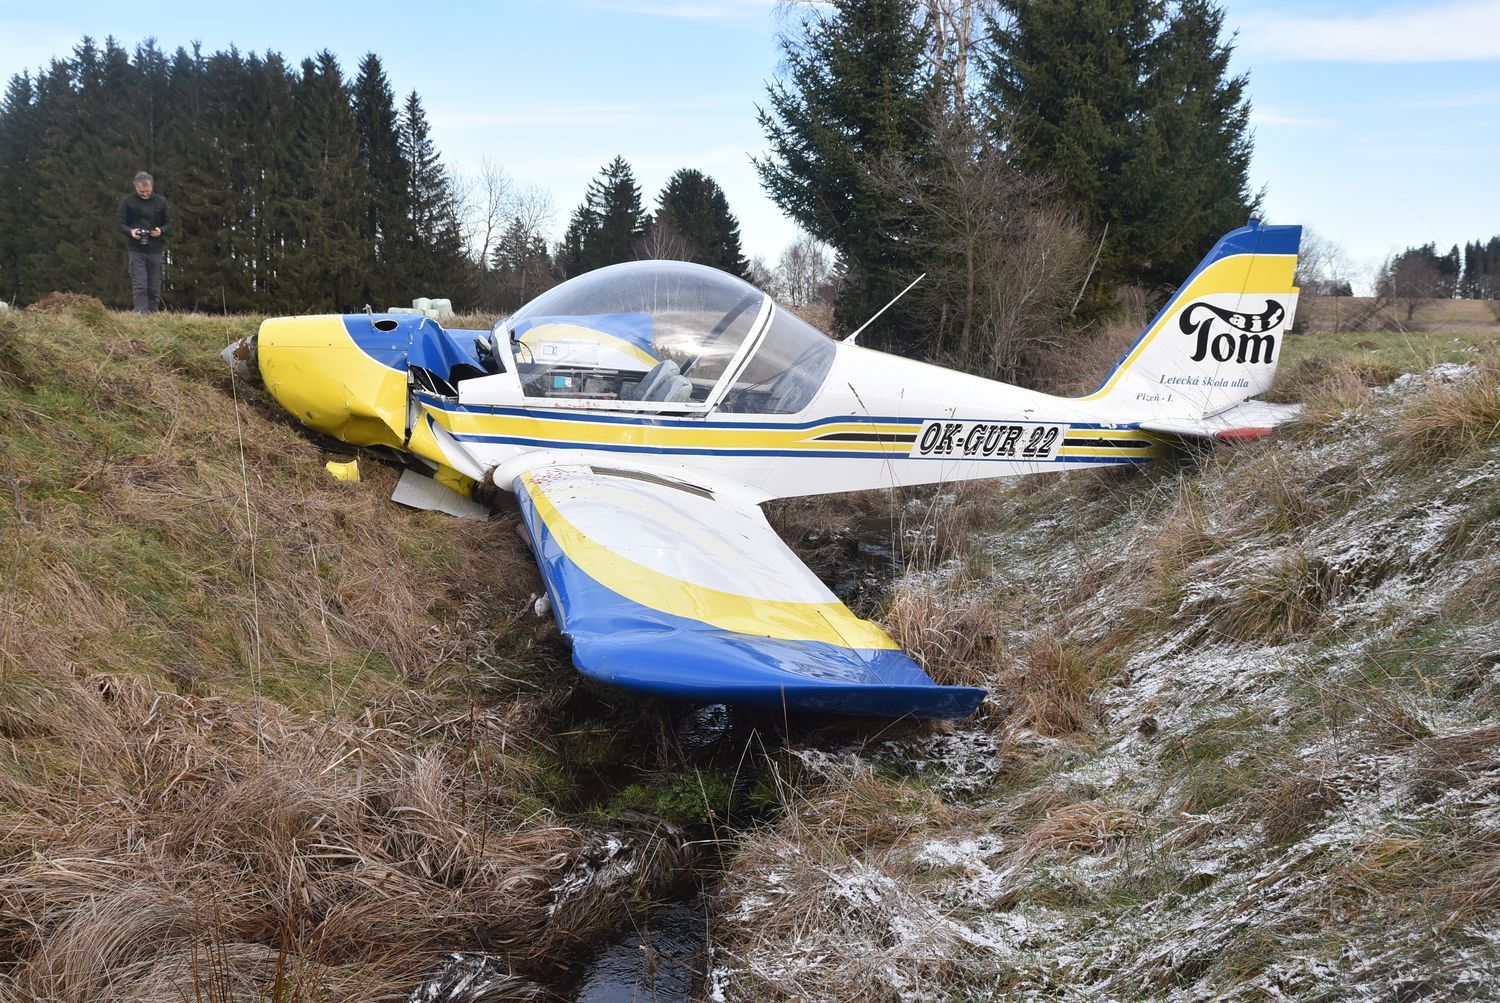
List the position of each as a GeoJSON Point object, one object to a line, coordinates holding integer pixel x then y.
{"type": "Point", "coordinates": [1129, 104]}
{"type": "Point", "coordinates": [854, 97]}
{"type": "Point", "coordinates": [1490, 288]}
{"type": "Point", "coordinates": [693, 207]}
{"type": "Point", "coordinates": [521, 266]}
{"type": "Point", "coordinates": [387, 176]}
{"type": "Point", "coordinates": [326, 266]}
{"type": "Point", "coordinates": [434, 262]}
{"type": "Point", "coordinates": [615, 201]}
{"type": "Point", "coordinates": [21, 237]}
{"type": "Point", "coordinates": [582, 226]}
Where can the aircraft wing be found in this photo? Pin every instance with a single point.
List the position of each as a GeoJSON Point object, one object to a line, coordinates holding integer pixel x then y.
{"type": "Point", "coordinates": [676, 590]}
{"type": "Point", "coordinates": [1243, 422]}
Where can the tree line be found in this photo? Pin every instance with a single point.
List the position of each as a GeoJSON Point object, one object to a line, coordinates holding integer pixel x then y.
{"type": "Point", "coordinates": [292, 188]}
{"type": "Point", "coordinates": [1423, 273]}
{"type": "Point", "coordinates": [295, 189]}
{"type": "Point", "coordinates": [1031, 156]}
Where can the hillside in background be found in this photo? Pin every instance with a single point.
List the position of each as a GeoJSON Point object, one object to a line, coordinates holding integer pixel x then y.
{"type": "Point", "coordinates": [265, 735]}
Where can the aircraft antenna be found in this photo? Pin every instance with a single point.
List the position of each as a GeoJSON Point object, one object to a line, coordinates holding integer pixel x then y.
{"type": "Point", "coordinates": [850, 340]}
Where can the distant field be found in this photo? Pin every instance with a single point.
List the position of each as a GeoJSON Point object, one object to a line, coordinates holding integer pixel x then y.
{"type": "Point", "coordinates": [1334, 312]}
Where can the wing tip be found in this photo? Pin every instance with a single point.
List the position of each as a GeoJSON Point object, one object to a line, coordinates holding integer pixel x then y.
{"type": "Point", "coordinates": [1238, 435]}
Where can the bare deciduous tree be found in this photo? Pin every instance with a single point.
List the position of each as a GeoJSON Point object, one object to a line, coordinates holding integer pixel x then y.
{"type": "Point", "coordinates": [1006, 260]}
{"type": "Point", "coordinates": [488, 203]}
{"type": "Point", "coordinates": [1407, 280]}
{"type": "Point", "coordinates": [1323, 266]}
{"type": "Point", "coordinates": [950, 27]}
{"type": "Point", "coordinates": [663, 241]}
{"type": "Point", "coordinates": [803, 271]}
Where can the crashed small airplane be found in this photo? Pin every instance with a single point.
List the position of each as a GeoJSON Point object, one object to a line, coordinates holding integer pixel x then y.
{"type": "Point", "coordinates": [642, 412]}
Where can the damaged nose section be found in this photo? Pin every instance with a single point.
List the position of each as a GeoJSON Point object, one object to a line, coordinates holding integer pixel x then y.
{"type": "Point", "coordinates": [242, 358]}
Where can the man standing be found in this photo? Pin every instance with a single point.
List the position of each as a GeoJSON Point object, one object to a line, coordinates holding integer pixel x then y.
{"type": "Point", "coordinates": [145, 220]}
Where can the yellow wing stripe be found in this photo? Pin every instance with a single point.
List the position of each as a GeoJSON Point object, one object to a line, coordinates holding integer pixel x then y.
{"type": "Point", "coordinates": [826, 622]}
{"type": "Point", "coordinates": [1239, 273]}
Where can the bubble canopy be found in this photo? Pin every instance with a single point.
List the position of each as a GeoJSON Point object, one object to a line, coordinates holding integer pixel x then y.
{"type": "Point", "coordinates": [666, 334]}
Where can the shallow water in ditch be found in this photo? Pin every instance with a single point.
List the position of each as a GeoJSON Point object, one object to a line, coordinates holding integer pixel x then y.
{"type": "Point", "coordinates": [663, 962]}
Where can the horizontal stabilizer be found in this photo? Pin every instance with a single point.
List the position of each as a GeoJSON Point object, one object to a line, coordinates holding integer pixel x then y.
{"type": "Point", "coordinates": [1242, 422]}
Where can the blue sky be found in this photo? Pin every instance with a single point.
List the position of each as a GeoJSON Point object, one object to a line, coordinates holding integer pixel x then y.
{"type": "Point", "coordinates": [1378, 124]}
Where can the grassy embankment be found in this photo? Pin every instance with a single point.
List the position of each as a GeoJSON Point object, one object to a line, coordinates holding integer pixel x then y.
{"type": "Point", "coordinates": [1244, 734]}
{"type": "Point", "coordinates": [264, 735]}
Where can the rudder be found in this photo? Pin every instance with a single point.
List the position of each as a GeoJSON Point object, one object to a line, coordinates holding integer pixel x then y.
{"type": "Point", "coordinates": [1218, 339]}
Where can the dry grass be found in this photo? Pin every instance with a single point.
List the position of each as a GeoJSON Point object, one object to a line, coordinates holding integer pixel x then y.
{"type": "Point", "coordinates": [1084, 827]}
{"type": "Point", "coordinates": [949, 630]}
{"type": "Point", "coordinates": [262, 734]}
{"type": "Point", "coordinates": [1449, 419]}
{"type": "Point", "coordinates": [1051, 684]}
{"type": "Point", "coordinates": [1281, 597]}
{"type": "Point", "coordinates": [1217, 820]}
{"type": "Point", "coordinates": [351, 851]}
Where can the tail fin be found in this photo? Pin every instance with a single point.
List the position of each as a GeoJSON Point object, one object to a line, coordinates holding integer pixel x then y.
{"type": "Point", "coordinates": [1217, 340]}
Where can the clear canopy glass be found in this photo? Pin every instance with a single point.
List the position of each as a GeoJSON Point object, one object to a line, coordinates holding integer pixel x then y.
{"type": "Point", "coordinates": [602, 333]}
{"type": "Point", "coordinates": [665, 332]}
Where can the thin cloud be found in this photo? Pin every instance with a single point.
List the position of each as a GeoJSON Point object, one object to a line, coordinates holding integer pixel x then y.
{"type": "Point", "coordinates": [1439, 33]}
{"type": "Point", "coordinates": [1490, 100]}
{"type": "Point", "coordinates": [702, 11]}
{"type": "Point", "coordinates": [1271, 118]}
{"type": "Point", "coordinates": [582, 115]}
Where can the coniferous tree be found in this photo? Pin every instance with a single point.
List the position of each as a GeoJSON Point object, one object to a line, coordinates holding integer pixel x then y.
{"type": "Point", "coordinates": [1473, 270]}
{"type": "Point", "coordinates": [434, 262]}
{"type": "Point", "coordinates": [615, 201]}
{"type": "Point", "coordinates": [324, 260]}
{"type": "Point", "coordinates": [275, 195]}
{"type": "Point", "coordinates": [1490, 284]}
{"type": "Point", "coordinates": [1449, 268]}
{"type": "Point", "coordinates": [20, 250]}
{"type": "Point", "coordinates": [854, 97]}
{"type": "Point", "coordinates": [522, 268]}
{"type": "Point", "coordinates": [268, 170]}
{"type": "Point", "coordinates": [582, 227]}
{"type": "Point", "coordinates": [694, 208]}
{"type": "Point", "coordinates": [1130, 105]}
{"type": "Point", "coordinates": [384, 228]}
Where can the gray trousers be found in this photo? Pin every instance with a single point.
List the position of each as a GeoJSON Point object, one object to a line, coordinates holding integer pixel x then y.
{"type": "Point", "coordinates": [145, 280]}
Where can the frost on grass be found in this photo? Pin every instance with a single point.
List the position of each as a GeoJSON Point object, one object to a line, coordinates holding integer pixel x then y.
{"type": "Point", "coordinates": [1288, 789]}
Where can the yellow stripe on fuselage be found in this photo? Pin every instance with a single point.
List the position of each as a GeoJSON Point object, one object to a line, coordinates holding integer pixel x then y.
{"type": "Point", "coordinates": [826, 622]}
{"type": "Point", "coordinates": [1238, 273]}
{"type": "Point", "coordinates": [577, 433]}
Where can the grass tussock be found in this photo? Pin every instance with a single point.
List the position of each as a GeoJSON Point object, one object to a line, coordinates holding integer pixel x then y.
{"type": "Point", "coordinates": [1285, 596]}
{"type": "Point", "coordinates": [949, 630]}
{"type": "Point", "coordinates": [1451, 417]}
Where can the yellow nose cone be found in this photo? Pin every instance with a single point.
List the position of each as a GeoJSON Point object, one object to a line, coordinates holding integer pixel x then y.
{"type": "Point", "coordinates": [320, 375]}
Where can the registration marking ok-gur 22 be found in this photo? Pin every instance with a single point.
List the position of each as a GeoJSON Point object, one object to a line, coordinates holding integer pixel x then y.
{"type": "Point", "coordinates": [989, 440]}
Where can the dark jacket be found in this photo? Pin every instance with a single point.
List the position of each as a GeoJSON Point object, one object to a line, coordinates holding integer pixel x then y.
{"type": "Point", "coordinates": [145, 214]}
